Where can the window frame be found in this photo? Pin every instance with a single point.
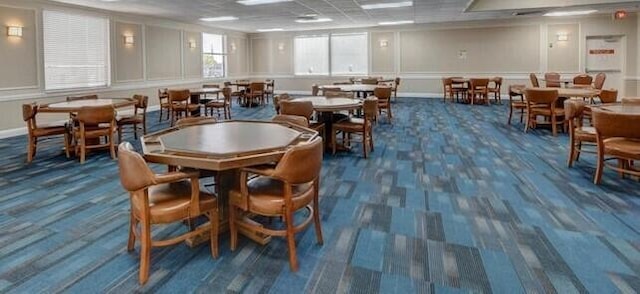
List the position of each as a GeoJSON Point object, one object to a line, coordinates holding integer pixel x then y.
{"type": "Point", "coordinates": [224, 55]}
{"type": "Point", "coordinates": [330, 55]}
{"type": "Point", "coordinates": [108, 54]}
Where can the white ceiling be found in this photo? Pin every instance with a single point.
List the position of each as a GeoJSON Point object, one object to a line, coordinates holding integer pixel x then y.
{"type": "Point", "coordinates": [345, 13]}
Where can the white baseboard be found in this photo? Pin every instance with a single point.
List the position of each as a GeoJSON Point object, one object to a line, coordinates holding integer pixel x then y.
{"type": "Point", "coordinates": [23, 130]}
{"type": "Point", "coordinates": [400, 94]}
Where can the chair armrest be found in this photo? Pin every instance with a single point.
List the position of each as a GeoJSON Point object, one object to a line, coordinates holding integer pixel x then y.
{"type": "Point", "coordinates": [263, 170]}
{"type": "Point", "coordinates": [176, 176]}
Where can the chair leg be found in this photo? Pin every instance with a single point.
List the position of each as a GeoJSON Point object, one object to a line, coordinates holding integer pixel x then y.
{"type": "Point", "coordinates": [83, 149]}
{"type": "Point", "coordinates": [135, 131]}
{"type": "Point", "coordinates": [214, 221]}
{"type": "Point", "coordinates": [316, 215]}
{"type": "Point", "coordinates": [600, 165]}
{"type": "Point", "coordinates": [572, 150]}
{"type": "Point", "coordinates": [371, 138]}
{"type": "Point", "coordinates": [333, 142]}
{"type": "Point", "coordinates": [554, 126]}
{"type": "Point", "coordinates": [145, 251]}
{"type": "Point", "coordinates": [112, 147]}
{"type": "Point", "coordinates": [119, 134]}
{"type": "Point", "coordinates": [132, 237]}
{"type": "Point", "coordinates": [233, 230]}
{"type": "Point", "coordinates": [160, 115]}
{"type": "Point", "coordinates": [364, 143]}
{"type": "Point", "coordinates": [30, 148]}
{"type": "Point", "coordinates": [291, 241]}
{"type": "Point", "coordinates": [578, 151]}
{"type": "Point", "coordinates": [66, 144]}
{"type": "Point", "coordinates": [510, 114]}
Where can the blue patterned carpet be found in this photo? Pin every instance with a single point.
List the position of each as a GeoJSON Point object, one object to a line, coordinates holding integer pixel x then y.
{"type": "Point", "coordinates": [452, 200]}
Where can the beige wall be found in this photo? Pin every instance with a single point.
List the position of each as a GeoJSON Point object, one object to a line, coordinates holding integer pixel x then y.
{"type": "Point", "coordinates": [561, 55]}
{"type": "Point", "coordinates": [384, 61]}
{"type": "Point", "coordinates": [159, 58]}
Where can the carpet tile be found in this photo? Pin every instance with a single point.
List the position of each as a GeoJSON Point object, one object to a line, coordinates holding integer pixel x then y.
{"type": "Point", "coordinates": [452, 200]}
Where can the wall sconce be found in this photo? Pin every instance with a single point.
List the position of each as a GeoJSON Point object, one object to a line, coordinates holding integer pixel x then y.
{"type": "Point", "coordinates": [129, 40]}
{"type": "Point", "coordinates": [384, 43]}
{"type": "Point", "coordinates": [233, 47]}
{"type": "Point", "coordinates": [14, 31]}
{"type": "Point", "coordinates": [280, 47]}
{"type": "Point", "coordinates": [562, 36]}
{"type": "Point", "coordinates": [192, 44]}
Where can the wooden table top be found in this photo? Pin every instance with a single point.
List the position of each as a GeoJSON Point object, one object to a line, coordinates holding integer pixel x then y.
{"type": "Point", "coordinates": [353, 87]}
{"type": "Point", "coordinates": [75, 105]}
{"type": "Point", "coordinates": [574, 92]}
{"type": "Point", "coordinates": [223, 145]}
{"type": "Point", "coordinates": [620, 108]}
{"type": "Point", "coordinates": [324, 104]}
{"type": "Point", "coordinates": [467, 80]}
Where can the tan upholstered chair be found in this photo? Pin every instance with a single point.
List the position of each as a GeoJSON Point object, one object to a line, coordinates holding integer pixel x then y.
{"type": "Point", "coordinates": [552, 80]}
{"type": "Point", "coordinates": [238, 94]}
{"type": "Point", "coordinates": [361, 126]}
{"type": "Point", "coordinates": [280, 191]}
{"type": "Point", "coordinates": [94, 123]}
{"type": "Point", "coordinates": [598, 83]}
{"type": "Point", "coordinates": [542, 102]}
{"type": "Point", "coordinates": [384, 101]}
{"type": "Point", "coordinates": [479, 89]}
{"type": "Point", "coordinates": [582, 81]}
{"type": "Point", "coordinates": [35, 131]}
{"type": "Point", "coordinates": [293, 119]}
{"type": "Point", "coordinates": [303, 109]}
{"type": "Point", "coordinates": [217, 104]}
{"type": "Point", "coordinates": [495, 90]}
{"type": "Point", "coordinates": [255, 92]}
{"type": "Point", "coordinates": [180, 105]}
{"type": "Point", "coordinates": [85, 97]}
{"type": "Point", "coordinates": [279, 98]}
{"type": "Point", "coordinates": [163, 199]}
{"type": "Point", "coordinates": [206, 97]}
{"type": "Point", "coordinates": [534, 80]}
{"type": "Point", "coordinates": [616, 140]}
{"type": "Point", "coordinates": [578, 134]}
{"type": "Point", "coordinates": [163, 101]}
{"type": "Point", "coordinates": [315, 90]}
{"type": "Point", "coordinates": [516, 101]}
{"type": "Point", "coordinates": [139, 117]}
{"type": "Point", "coordinates": [606, 96]}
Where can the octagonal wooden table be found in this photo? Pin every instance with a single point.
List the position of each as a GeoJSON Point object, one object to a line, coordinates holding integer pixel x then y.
{"type": "Point", "coordinates": [224, 147]}
{"type": "Point", "coordinates": [75, 105]}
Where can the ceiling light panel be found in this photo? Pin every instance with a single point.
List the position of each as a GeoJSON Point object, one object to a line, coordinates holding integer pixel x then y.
{"type": "Point", "coordinates": [219, 18]}
{"type": "Point", "coordinates": [570, 13]}
{"type": "Point", "coordinates": [387, 5]}
{"type": "Point", "coordinates": [260, 2]}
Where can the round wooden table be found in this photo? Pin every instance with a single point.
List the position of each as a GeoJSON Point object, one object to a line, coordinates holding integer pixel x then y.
{"type": "Point", "coordinates": [574, 92]}
{"type": "Point", "coordinates": [632, 109]}
{"type": "Point", "coordinates": [75, 105]}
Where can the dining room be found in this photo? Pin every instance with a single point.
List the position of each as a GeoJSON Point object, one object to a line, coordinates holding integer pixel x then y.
{"type": "Point", "coordinates": [334, 146]}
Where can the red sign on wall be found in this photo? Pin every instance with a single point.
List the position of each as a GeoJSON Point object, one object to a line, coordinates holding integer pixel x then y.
{"type": "Point", "coordinates": [601, 51]}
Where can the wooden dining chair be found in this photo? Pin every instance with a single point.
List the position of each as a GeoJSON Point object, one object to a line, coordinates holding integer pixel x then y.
{"type": "Point", "coordinates": [360, 126]}
{"type": "Point", "coordinates": [326, 90]}
{"type": "Point", "coordinates": [139, 117]}
{"type": "Point", "coordinates": [207, 96]}
{"type": "Point", "coordinates": [394, 89]}
{"type": "Point", "coordinates": [180, 105]}
{"type": "Point", "coordinates": [578, 133]}
{"type": "Point", "coordinates": [270, 89]}
{"type": "Point", "coordinates": [293, 119]}
{"type": "Point", "coordinates": [163, 199]}
{"type": "Point", "coordinates": [370, 81]}
{"type": "Point", "coordinates": [384, 101]}
{"type": "Point", "coordinates": [280, 191]}
{"type": "Point", "coordinates": [534, 80]}
{"type": "Point", "coordinates": [279, 98]}
{"type": "Point", "coordinates": [315, 90]}
{"type": "Point", "coordinates": [495, 90]}
{"type": "Point", "coordinates": [605, 96]}
{"type": "Point", "coordinates": [35, 131]}
{"type": "Point", "coordinates": [542, 102]}
{"type": "Point", "coordinates": [516, 101]}
{"type": "Point", "coordinates": [217, 104]}
{"type": "Point", "coordinates": [303, 109]}
{"type": "Point", "coordinates": [93, 124]}
{"type": "Point", "coordinates": [582, 81]}
{"type": "Point", "coordinates": [552, 80]}
{"type": "Point", "coordinates": [163, 101]}
{"type": "Point", "coordinates": [447, 90]}
{"type": "Point", "coordinates": [239, 94]}
{"type": "Point", "coordinates": [598, 83]}
{"type": "Point", "coordinates": [85, 97]}
{"type": "Point", "coordinates": [255, 92]}
{"type": "Point", "coordinates": [478, 89]}
{"type": "Point", "coordinates": [616, 140]}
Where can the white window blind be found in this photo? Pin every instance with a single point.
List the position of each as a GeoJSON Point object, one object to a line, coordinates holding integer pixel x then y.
{"type": "Point", "coordinates": [311, 55]}
{"type": "Point", "coordinates": [213, 56]}
{"type": "Point", "coordinates": [349, 54]}
{"type": "Point", "coordinates": [76, 50]}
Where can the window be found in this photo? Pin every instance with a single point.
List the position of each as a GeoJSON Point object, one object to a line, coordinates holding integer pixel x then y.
{"type": "Point", "coordinates": [311, 55]}
{"type": "Point", "coordinates": [349, 54]}
{"type": "Point", "coordinates": [213, 56]}
{"type": "Point", "coordinates": [76, 51]}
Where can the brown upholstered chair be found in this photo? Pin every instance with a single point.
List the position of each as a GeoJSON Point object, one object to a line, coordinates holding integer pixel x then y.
{"type": "Point", "coordinates": [552, 80]}
{"type": "Point", "coordinates": [293, 119]}
{"type": "Point", "coordinates": [542, 102]}
{"type": "Point", "coordinates": [280, 191]}
{"type": "Point", "coordinates": [516, 101]}
{"type": "Point", "coordinates": [279, 98]}
{"type": "Point", "coordinates": [180, 105]}
{"type": "Point", "coordinates": [255, 92]}
{"type": "Point", "coordinates": [163, 101]}
{"type": "Point", "coordinates": [325, 90]}
{"type": "Point", "coordinates": [206, 97]}
{"type": "Point", "coordinates": [85, 97]}
{"type": "Point", "coordinates": [582, 81]}
{"type": "Point", "coordinates": [315, 90]}
{"type": "Point", "coordinates": [92, 124]}
{"type": "Point", "coordinates": [616, 140]}
{"type": "Point", "coordinates": [195, 120]}
{"type": "Point", "coordinates": [238, 94]}
{"type": "Point", "coordinates": [384, 101]}
{"type": "Point", "coordinates": [394, 88]}
{"type": "Point", "coordinates": [361, 126]}
{"type": "Point", "coordinates": [497, 86]}
{"type": "Point", "coordinates": [139, 117]}
{"type": "Point", "coordinates": [303, 109]}
{"type": "Point", "coordinates": [217, 104]}
{"type": "Point", "coordinates": [370, 81]}
{"type": "Point", "coordinates": [598, 83]}
{"type": "Point", "coordinates": [578, 134]}
{"type": "Point", "coordinates": [608, 96]}
{"type": "Point", "coordinates": [270, 90]}
{"type": "Point", "coordinates": [35, 131]}
{"type": "Point", "coordinates": [534, 80]}
{"type": "Point", "coordinates": [478, 89]}
{"type": "Point", "coordinates": [162, 199]}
